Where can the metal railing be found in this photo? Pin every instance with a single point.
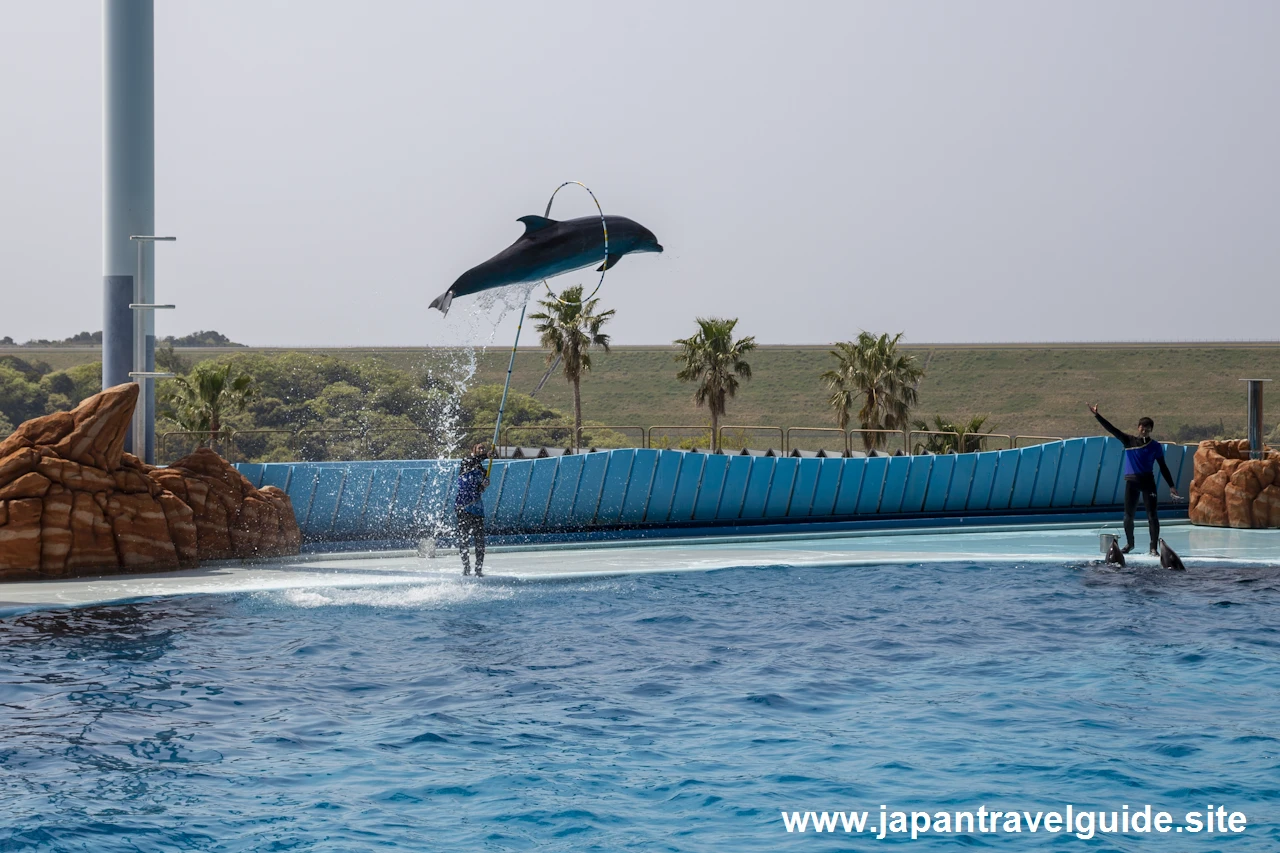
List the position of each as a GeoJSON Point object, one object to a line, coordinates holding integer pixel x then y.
{"type": "Point", "coordinates": [741, 441]}
{"type": "Point", "coordinates": [789, 444]}
{"type": "Point", "coordinates": [587, 439]}
{"type": "Point", "coordinates": [664, 442]}
{"type": "Point", "coordinates": [965, 442]}
{"type": "Point", "coordinates": [1036, 439]}
{"type": "Point", "coordinates": [373, 443]}
{"type": "Point", "coordinates": [901, 435]}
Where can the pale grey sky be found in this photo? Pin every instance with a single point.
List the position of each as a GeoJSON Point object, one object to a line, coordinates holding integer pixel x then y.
{"type": "Point", "coordinates": [996, 171]}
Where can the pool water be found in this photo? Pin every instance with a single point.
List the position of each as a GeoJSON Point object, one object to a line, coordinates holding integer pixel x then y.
{"type": "Point", "coordinates": [681, 711]}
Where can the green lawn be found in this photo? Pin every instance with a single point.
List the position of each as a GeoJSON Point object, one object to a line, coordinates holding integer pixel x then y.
{"type": "Point", "coordinates": [1025, 389]}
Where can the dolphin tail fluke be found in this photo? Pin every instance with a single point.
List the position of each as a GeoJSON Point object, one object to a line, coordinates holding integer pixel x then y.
{"type": "Point", "coordinates": [443, 301]}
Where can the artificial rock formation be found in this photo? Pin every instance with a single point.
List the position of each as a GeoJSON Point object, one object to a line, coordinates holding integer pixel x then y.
{"type": "Point", "coordinates": [72, 502]}
{"type": "Point", "coordinates": [1228, 489]}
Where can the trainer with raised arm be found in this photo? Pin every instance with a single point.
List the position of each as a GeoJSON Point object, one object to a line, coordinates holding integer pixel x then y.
{"type": "Point", "coordinates": [1141, 454]}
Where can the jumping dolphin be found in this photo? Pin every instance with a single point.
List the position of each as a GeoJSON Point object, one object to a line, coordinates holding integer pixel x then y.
{"type": "Point", "coordinates": [549, 247]}
{"type": "Point", "coordinates": [1169, 559]}
{"type": "Point", "coordinates": [1114, 556]}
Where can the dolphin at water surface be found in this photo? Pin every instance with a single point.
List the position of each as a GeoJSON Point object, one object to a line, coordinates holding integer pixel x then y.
{"type": "Point", "coordinates": [549, 247]}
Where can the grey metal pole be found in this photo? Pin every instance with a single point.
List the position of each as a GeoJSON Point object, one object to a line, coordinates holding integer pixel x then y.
{"type": "Point", "coordinates": [1255, 417]}
{"type": "Point", "coordinates": [507, 387]}
{"type": "Point", "coordinates": [128, 185]}
{"type": "Point", "coordinates": [144, 350]}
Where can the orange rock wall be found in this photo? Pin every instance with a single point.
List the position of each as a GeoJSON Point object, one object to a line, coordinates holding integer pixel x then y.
{"type": "Point", "coordinates": [72, 502]}
{"type": "Point", "coordinates": [1228, 489]}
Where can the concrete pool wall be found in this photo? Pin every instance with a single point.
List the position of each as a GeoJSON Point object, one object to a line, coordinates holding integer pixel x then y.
{"type": "Point", "coordinates": [664, 489]}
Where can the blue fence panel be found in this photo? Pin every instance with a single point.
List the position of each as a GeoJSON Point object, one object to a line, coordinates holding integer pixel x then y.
{"type": "Point", "coordinates": [686, 496]}
{"type": "Point", "coordinates": [895, 484]}
{"type": "Point", "coordinates": [713, 482]}
{"type": "Point", "coordinates": [435, 507]}
{"type": "Point", "coordinates": [802, 490]}
{"type": "Point", "coordinates": [984, 477]}
{"type": "Point", "coordinates": [355, 494]}
{"type": "Point", "coordinates": [1047, 475]}
{"type": "Point", "coordinates": [493, 496]}
{"type": "Point", "coordinates": [1068, 472]}
{"type": "Point", "coordinates": [1110, 489]}
{"type": "Point", "coordinates": [590, 487]}
{"type": "Point", "coordinates": [758, 486]}
{"type": "Point", "coordinates": [615, 486]}
{"type": "Point", "coordinates": [734, 491]}
{"type": "Point", "coordinates": [276, 474]}
{"type": "Point", "coordinates": [560, 506]}
{"type": "Point", "coordinates": [784, 477]}
{"type": "Point", "coordinates": [377, 507]}
{"type": "Point", "coordinates": [641, 481]}
{"type": "Point", "coordinates": [1025, 481]}
{"type": "Point", "coordinates": [1007, 464]}
{"type": "Point", "coordinates": [874, 471]}
{"type": "Point", "coordinates": [1188, 470]}
{"type": "Point", "coordinates": [917, 483]}
{"type": "Point", "coordinates": [1172, 459]}
{"type": "Point", "coordinates": [1090, 463]}
{"type": "Point", "coordinates": [939, 483]}
{"type": "Point", "coordinates": [828, 486]}
{"type": "Point", "coordinates": [302, 488]}
{"type": "Point", "coordinates": [324, 504]}
{"type": "Point", "coordinates": [405, 505]}
{"type": "Point", "coordinates": [664, 484]}
{"type": "Point", "coordinates": [538, 492]}
{"type": "Point", "coordinates": [961, 481]}
{"type": "Point", "coordinates": [251, 471]}
{"type": "Point", "coordinates": [511, 492]}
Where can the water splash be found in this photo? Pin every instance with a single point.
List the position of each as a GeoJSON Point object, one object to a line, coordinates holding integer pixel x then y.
{"type": "Point", "coordinates": [419, 597]}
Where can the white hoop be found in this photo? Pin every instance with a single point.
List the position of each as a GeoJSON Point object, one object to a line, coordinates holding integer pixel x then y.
{"type": "Point", "coordinates": [603, 225]}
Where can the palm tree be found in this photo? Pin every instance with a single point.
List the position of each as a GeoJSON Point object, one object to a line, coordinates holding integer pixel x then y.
{"type": "Point", "coordinates": [872, 369]}
{"type": "Point", "coordinates": [714, 360]}
{"type": "Point", "coordinates": [569, 328]}
{"type": "Point", "coordinates": [201, 400]}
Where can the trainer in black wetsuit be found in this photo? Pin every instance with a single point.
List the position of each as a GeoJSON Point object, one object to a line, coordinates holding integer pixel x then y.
{"type": "Point", "coordinates": [1140, 457]}
{"type": "Point", "coordinates": [472, 481]}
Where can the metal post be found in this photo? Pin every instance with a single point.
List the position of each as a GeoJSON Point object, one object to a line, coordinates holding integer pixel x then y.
{"type": "Point", "coordinates": [510, 364]}
{"type": "Point", "coordinates": [128, 179]}
{"type": "Point", "coordinates": [143, 434]}
{"type": "Point", "coordinates": [1255, 417]}
{"type": "Point", "coordinates": [140, 361]}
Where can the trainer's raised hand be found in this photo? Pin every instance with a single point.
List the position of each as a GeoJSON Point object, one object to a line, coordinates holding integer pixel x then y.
{"type": "Point", "coordinates": [1093, 407]}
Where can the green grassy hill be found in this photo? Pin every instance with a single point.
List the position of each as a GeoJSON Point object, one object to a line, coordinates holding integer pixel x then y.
{"type": "Point", "coordinates": [1026, 388]}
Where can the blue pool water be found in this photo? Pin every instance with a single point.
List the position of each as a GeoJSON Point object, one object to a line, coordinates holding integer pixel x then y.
{"type": "Point", "coordinates": [657, 712]}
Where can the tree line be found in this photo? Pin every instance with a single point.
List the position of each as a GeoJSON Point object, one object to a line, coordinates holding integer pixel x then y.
{"type": "Point", "coordinates": [873, 385]}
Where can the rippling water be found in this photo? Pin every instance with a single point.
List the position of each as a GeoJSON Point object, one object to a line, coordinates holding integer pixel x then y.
{"type": "Point", "coordinates": [661, 712]}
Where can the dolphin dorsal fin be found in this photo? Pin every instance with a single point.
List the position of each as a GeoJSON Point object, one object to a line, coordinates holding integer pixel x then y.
{"type": "Point", "coordinates": [535, 223]}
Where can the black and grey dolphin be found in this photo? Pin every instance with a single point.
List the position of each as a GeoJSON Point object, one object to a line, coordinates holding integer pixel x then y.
{"type": "Point", "coordinates": [549, 247]}
{"type": "Point", "coordinates": [1115, 556]}
{"type": "Point", "coordinates": [1169, 558]}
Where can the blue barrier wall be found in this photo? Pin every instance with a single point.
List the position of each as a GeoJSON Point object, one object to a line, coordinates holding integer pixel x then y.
{"type": "Point", "coordinates": [344, 501]}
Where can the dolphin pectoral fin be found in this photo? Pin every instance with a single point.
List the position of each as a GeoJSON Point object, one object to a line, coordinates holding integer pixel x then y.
{"type": "Point", "coordinates": [535, 223]}
{"type": "Point", "coordinates": [443, 301]}
{"type": "Point", "coordinates": [610, 263]}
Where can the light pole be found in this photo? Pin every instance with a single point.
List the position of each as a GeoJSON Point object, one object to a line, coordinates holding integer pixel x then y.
{"type": "Point", "coordinates": [144, 352]}
{"type": "Point", "coordinates": [1256, 450]}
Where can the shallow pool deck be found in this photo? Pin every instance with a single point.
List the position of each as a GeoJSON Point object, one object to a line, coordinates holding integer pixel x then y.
{"type": "Point", "coordinates": [1060, 544]}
